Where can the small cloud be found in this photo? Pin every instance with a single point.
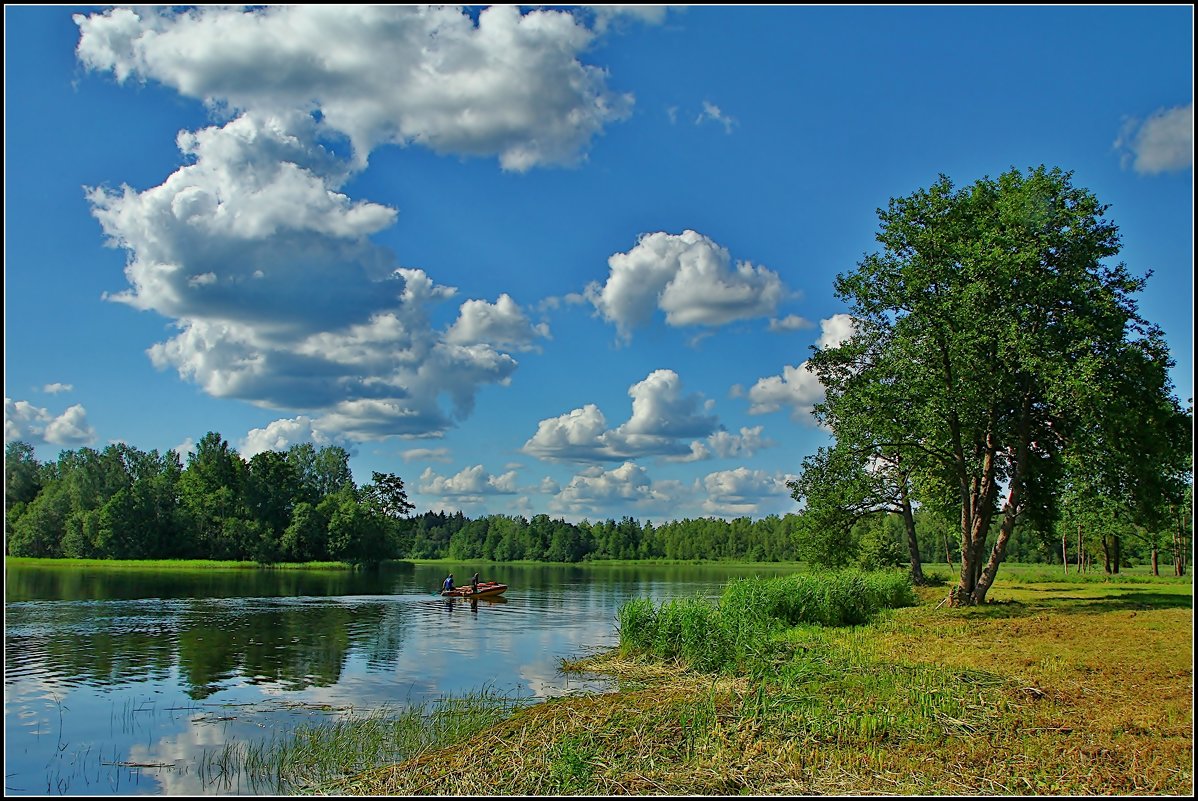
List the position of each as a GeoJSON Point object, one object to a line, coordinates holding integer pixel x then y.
{"type": "Point", "coordinates": [712, 112]}
{"type": "Point", "coordinates": [502, 324]}
{"type": "Point", "coordinates": [185, 448]}
{"type": "Point", "coordinates": [835, 330]}
{"type": "Point", "coordinates": [792, 322]}
{"type": "Point", "coordinates": [1162, 143]}
{"type": "Point", "coordinates": [744, 492]}
{"type": "Point", "coordinates": [280, 435]}
{"type": "Point", "coordinates": [470, 485]}
{"type": "Point", "coordinates": [796, 387]}
{"type": "Point", "coordinates": [425, 455]}
{"type": "Point", "coordinates": [663, 416]}
{"type": "Point", "coordinates": [28, 423]}
{"type": "Point", "coordinates": [607, 16]}
{"type": "Point", "coordinates": [55, 388]}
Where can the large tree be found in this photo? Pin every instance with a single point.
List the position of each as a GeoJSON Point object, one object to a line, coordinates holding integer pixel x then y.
{"type": "Point", "coordinates": [993, 336]}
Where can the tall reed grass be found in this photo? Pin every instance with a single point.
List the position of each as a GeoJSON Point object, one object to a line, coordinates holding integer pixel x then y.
{"type": "Point", "coordinates": [741, 628]}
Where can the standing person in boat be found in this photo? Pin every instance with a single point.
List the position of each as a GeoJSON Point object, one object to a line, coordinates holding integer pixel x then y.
{"type": "Point", "coordinates": [447, 585]}
{"type": "Point", "coordinates": [474, 584]}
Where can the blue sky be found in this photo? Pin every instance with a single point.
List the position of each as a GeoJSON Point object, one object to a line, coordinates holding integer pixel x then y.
{"type": "Point", "coordinates": [567, 261]}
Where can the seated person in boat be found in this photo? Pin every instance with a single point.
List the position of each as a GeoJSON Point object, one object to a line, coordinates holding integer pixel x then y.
{"type": "Point", "coordinates": [447, 586]}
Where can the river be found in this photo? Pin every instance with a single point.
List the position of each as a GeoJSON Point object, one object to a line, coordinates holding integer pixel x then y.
{"type": "Point", "coordinates": [121, 681]}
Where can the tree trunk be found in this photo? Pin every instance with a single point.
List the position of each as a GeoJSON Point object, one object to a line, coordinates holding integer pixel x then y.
{"type": "Point", "coordinates": [1155, 570]}
{"type": "Point", "coordinates": [1065, 553]}
{"type": "Point", "coordinates": [1117, 556]}
{"type": "Point", "coordinates": [1106, 554]}
{"type": "Point", "coordinates": [998, 552]}
{"type": "Point", "coordinates": [912, 543]}
{"type": "Point", "coordinates": [1079, 548]}
{"type": "Point", "coordinates": [1179, 546]}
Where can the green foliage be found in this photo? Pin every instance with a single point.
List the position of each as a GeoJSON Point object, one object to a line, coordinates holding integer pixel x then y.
{"type": "Point", "coordinates": [881, 543]}
{"type": "Point", "coordinates": [992, 341]}
{"type": "Point", "coordinates": [388, 496]}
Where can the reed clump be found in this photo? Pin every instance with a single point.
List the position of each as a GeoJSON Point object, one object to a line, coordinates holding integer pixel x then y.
{"type": "Point", "coordinates": [739, 631]}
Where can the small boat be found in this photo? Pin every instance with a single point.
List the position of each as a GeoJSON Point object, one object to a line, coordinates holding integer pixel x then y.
{"type": "Point", "coordinates": [485, 589]}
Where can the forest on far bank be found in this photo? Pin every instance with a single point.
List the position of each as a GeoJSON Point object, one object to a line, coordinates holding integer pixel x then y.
{"type": "Point", "coordinates": [303, 505]}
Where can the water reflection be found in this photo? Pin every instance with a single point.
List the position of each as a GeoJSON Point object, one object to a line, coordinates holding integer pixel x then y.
{"type": "Point", "coordinates": [107, 666]}
{"type": "Point", "coordinates": [285, 644]}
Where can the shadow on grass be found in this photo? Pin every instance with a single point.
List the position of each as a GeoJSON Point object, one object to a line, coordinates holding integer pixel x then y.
{"type": "Point", "coordinates": [1127, 600]}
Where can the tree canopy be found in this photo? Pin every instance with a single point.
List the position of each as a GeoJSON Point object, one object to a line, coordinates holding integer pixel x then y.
{"type": "Point", "coordinates": [992, 340]}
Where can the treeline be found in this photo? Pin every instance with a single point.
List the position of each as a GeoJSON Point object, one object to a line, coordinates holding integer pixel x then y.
{"type": "Point", "coordinates": [302, 505]}
{"type": "Point", "coordinates": [503, 538]}
{"type": "Point", "coordinates": [124, 503]}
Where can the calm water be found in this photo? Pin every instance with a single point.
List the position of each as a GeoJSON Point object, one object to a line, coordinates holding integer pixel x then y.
{"type": "Point", "coordinates": [117, 682]}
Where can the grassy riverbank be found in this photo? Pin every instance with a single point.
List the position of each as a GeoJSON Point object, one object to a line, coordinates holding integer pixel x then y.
{"type": "Point", "coordinates": [1075, 687]}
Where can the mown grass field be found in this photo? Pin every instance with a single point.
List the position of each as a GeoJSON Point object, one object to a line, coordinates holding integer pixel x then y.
{"type": "Point", "coordinates": [1062, 685]}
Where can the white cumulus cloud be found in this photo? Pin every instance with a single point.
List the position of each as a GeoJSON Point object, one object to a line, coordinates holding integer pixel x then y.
{"type": "Point", "coordinates": [796, 386]}
{"type": "Point", "coordinates": [280, 435]}
{"type": "Point", "coordinates": [627, 486]}
{"type": "Point", "coordinates": [37, 426]}
{"type": "Point", "coordinates": [251, 247]}
{"type": "Point", "coordinates": [502, 324]}
{"type": "Point", "coordinates": [689, 277]}
{"type": "Point", "coordinates": [510, 86]}
{"type": "Point", "coordinates": [741, 491]}
{"type": "Point", "coordinates": [469, 485]}
{"type": "Point", "coordinates": [662, 420]}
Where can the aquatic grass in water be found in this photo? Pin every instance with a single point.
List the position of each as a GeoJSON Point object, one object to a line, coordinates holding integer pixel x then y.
{"type": "Point", "coordinates": [311, 757]}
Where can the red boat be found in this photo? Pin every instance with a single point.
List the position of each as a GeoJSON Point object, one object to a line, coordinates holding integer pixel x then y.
{"type": "Point", "coordinates": [485, 589]}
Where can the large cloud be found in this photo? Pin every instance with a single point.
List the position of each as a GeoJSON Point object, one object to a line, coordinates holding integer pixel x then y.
{"type": "Point", "coordinates": [687, 276]}
{"type": "Point", "coordinates": [264, 264]}
{"type": "Point", "coordinates": [664, 422]}
{"type": "Point", "coordinates": [281, 299]}
{"type": "Point", "coordinates": [509, 86]}
{"type": "Point", "coordinates": [1162, 143]}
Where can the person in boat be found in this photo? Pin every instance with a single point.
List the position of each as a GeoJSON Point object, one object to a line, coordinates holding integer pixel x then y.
{"type": "Point", "coordinates": [447, 585]}
{"type": "Point", "coordinates": [474, 584]}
